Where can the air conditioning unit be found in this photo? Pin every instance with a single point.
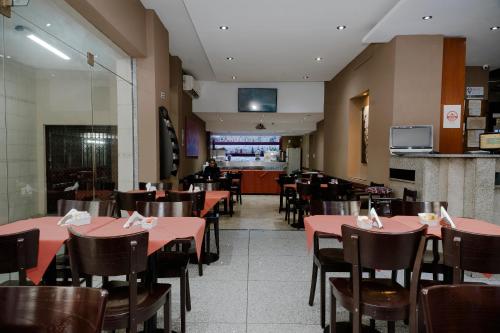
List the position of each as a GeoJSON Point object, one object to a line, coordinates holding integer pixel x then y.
{"type": "Point", "coordinates": [191, 86]}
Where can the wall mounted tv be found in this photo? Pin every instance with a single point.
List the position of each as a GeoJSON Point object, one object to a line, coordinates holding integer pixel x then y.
{"type": "Point", "coordinates": [257, 99]}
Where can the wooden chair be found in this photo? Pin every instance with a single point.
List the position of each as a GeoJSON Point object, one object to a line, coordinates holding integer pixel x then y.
{"type": "Point", "coordinates": [94, 208]}
{"type": "Point", "coordinates": [409, 195]}
{"type": "Point", "coordinates": [306, 193]}
{"type": "Point", "coordinates": [172, 264]}
{"type": "Point", "coordinates": [469, 308]}
{"type": "Point", "coordinates": [383, 299]}
{"type": "Point", "coordinates": [19, 252]}
{"type": "Point", "coordinates": [127, 200]}
{"type": "Point", "coordinates": [466, 251]}
{"type": "Point", "coordinates": [198, 204]}
{"type": "Point", "coordinates": [51, 309]}
{"type": "Point", "coordinates": [161, 186]}
{"type": "Point", "coordinates": [130, 304]}
{"type": "Point", "coordinates": [236, 179]}
{"type": "Point", "coordinates": [329, 259]}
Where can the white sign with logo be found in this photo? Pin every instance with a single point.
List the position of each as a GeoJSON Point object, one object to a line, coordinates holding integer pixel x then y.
{"type": "Point", "coordinates": [474, 92]}
{"type": "Point", "coordinates": [452, 116]}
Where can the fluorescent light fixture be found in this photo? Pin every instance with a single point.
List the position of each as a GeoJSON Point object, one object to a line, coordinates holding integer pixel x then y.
{"type": "Point", "coordinates": [48, 25]}
{"type": "Point", "coordinates": [318, 59]}
{"type": "Point", "coordinates": [224, 27]}
{"type": "Point", "coordinates": [427, 17]}
{"type": "Point", "coordinates": [494, 28]}
{"type": "Point", "coordinates": [341, 27]}
{"type": "Point", "coordinates": [49, 47]}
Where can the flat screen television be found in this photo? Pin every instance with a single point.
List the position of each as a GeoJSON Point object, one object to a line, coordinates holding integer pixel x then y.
{"type": "Point", "coordinates": [257, 99]}
{"type": "Point", "coordinates": [411, 139]}
{"type": "Point", "coordinates": [489, 141]}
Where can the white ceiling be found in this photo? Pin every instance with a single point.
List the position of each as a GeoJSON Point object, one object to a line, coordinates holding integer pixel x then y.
{"type": "Point", "coordinates": [67, 31]}
{"type": "Point", "coordinates": [244, 123]}
{"type": "Point", "coordinates": [271, 40]}
{"type": "Point", "coordinates": [465, 18]}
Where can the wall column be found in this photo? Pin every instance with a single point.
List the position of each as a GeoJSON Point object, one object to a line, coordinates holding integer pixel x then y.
{"type": "Point", "coordinates": [451, 140]}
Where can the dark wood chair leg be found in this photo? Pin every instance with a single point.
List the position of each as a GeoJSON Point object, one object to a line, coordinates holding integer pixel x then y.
{"type": "Point", "coordinates": [313, 284]}
{"type": "Point", "coordinates": [322, 296]}
{"type": "Point", "coordinates": [391, 327]}
{"type": "Point", "coordinates": [207, 235]}
{"type": "Point", "coordinates": [183, 301]}
{"type": "Point", "coordinates": [188, 292]}
{"type": "Point", "coordinates": [216, 232]}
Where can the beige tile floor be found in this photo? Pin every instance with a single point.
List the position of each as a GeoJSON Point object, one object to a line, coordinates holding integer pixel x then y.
{"type": "Point", "coordinates": [257, 212]}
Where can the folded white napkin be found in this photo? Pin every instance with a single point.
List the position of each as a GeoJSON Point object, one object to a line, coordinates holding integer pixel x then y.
{"type": "Point", "coordinates": [72, 188]}
{"type": "Point", "coordinates": [150, 187]}
{"type": "Point", "coordinates": [138, 219]}
{"type": "Point", "coordinates": [446, 217]}
{"type": "Point", "coordinates": [375, 219]}
{"type": "Point", "coordinates": [191, 188]}
{"type": "Point", "coordinates": [75, 217]}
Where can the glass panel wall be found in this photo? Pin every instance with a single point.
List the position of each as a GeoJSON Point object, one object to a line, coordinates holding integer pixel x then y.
{"type": "Point", "coordinates": [65, 126]}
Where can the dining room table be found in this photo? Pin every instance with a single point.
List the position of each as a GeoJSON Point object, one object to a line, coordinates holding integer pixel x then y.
{"type": "Point", "coordinates": [212, 198]}
{"type": "Point", "coordinates": [53, 236]}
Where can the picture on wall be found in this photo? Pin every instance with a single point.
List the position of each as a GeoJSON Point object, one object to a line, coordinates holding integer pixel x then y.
{"type": "Point", "coordinates": [192, 138]}
{"type": "Point", "coordinates": [365, 115]}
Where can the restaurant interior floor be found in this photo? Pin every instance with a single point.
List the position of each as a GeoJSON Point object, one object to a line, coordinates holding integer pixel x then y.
{"type": "Point", "coordinates": [261, 282]}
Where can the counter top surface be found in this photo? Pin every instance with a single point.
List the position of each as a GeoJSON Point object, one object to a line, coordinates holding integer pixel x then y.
{"type": "Point", "coordinates": [449, 155]}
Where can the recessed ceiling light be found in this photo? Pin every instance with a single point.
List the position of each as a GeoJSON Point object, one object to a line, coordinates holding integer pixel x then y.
{"type": "Point", "coordinates": [48, 25]}
{"type": "Point", "coordinates": [341, 27]}
{"type": "Point", "coordinates": [496, 27]}
{"type": "Point", "coordinates": [319, 59]}
{"type": "Point", "coordinates": [229, 58]}
{"type": "Point", "coordinates": [224, 27]}
{"type": "Point", "coordinates": [305, 77]}
{"type": "Point", "coordinates": [426, 18]}
{"type": "Point", "coordinates": [233, 77]}
{"type": "Point", "coordinates": [8, 57]}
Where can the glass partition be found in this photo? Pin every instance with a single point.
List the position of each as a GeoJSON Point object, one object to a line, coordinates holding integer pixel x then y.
{"type": "Point", "coordinates": [66, 128]}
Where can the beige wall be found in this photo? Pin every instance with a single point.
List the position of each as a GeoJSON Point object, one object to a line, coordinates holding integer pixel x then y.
{"type": "Point", "coordinates": [152, 79]}
{"type": "Point", "coordinates": [417, 82]}
{"type": "Point", "coordinates": [403, 80]}
{"type": "Point", "coordinates": [372, 70]}
{"type": "Point", "coordinates": [122, 21]}
{"type": "Point", "coordinates": [317, 147]}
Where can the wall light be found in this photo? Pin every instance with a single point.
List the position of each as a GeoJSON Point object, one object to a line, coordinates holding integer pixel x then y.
{"type": "Point", "coordinates": [47, 46]}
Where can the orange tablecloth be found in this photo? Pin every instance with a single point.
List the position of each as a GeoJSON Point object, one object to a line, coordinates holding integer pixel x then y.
{"type": "Point", "coordinates": [332, 224]}
{"type": "Point", "coordinates": [167, 229]}
{"type": "Point", "coordinates": [52, 237]}
{"type": "Point", "coordinates": [294, 186]}
{"type": "Point", "coordinates": [463, 224]}
{"type": "Point", "coordinates": [211, 198]}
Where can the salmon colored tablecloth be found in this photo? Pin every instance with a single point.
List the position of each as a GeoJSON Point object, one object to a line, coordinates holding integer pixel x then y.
{"type": "Point", "coordinates": [167, 229]}
{"type": "Point", "coordinates": [463, 224]}
{"type": "Point", "coordinates": [332, 224]}
{"type": "Point", "coordinates": [211, 198]}
{"type": "Point", "coordinates": [294, 186]}
{"type": "Point", "coordinates": [52, 237]}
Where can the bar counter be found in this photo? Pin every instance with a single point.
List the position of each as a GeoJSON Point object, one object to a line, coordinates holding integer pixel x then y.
{"type": "Point", "coordinates": [259, 181]}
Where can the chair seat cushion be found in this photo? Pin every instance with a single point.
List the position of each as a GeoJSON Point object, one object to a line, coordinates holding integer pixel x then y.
{"type": "Point", "coordinates": [149, 301]}
{"type": "Point", "coordinates": [377, 296]}
{"type": "Point", "coordinates": [171, 264]}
